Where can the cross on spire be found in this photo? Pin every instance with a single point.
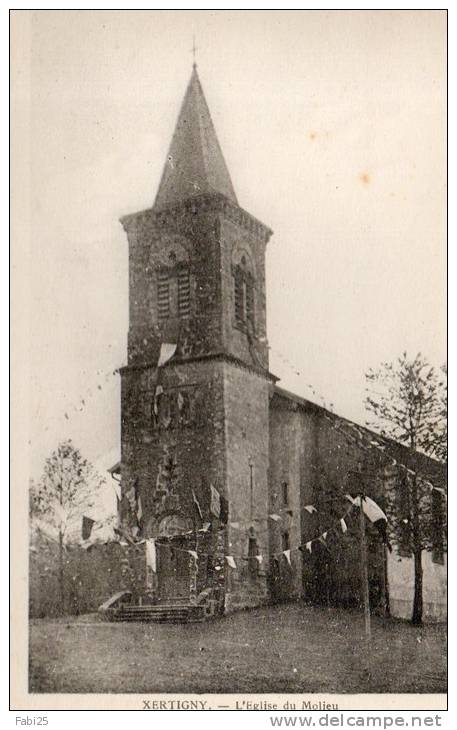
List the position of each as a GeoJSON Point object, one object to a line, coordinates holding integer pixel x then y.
{"type": "Point", "coordinates": [194, 52]}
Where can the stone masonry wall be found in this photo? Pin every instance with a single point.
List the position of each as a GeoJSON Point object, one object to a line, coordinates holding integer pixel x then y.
{"type": "Point", "coordinates": [173, 444]}
{"type": "Point", "coordinates": [246, 399]}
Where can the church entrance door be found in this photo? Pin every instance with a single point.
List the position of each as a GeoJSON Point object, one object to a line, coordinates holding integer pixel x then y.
{"type": "Point", "coordinates": [173, 571]}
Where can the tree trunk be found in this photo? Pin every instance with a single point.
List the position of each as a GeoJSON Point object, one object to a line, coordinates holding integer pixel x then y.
{"type": "Point", "coordinates": [386, 595]}
{"type": "Point", "coordinates": [61, 574]}
{"type": "Point", "coordinates": [418, 600]}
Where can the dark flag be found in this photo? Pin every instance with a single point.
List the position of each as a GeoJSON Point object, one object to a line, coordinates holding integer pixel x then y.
{"type": "Point", "coordinates": [224, 513]}
{"type": "Point", "coordinates": [87, 526]}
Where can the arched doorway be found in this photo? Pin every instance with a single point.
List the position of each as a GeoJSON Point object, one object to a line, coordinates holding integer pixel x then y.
{"type": "Point", "coordinates": [174, 538]}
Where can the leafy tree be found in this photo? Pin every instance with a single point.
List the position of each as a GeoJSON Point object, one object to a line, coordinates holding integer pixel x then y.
{"type": "Point", "coordinates": [408, 401]}
{"type": "Point", "coordinates": [65, 491]}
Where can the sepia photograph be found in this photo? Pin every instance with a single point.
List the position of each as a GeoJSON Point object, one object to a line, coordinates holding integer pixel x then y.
{"type": "Point", "coordinates": [229, 264]}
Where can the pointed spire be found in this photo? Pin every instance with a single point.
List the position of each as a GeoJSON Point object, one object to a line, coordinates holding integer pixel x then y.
{"type": "Point", "coordinates": [195, 164]}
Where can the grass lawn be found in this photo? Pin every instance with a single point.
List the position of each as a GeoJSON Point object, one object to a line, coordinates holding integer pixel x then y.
{"type": "Point", "coordinates": [290, 648]}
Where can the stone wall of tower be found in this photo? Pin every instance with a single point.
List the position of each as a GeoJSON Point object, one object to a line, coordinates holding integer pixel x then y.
{"type": "Point", "coordinates": [173, 444]}
{"type": "Point", "coordinates": [246, 404]}
{"type": "Point", "coordinates": [198, 420]}
{"type": "Point", "coordinates": [186, 235]}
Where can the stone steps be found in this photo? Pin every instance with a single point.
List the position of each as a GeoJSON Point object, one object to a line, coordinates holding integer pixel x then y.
{"type": "Point", "coordinates": [160, 613]}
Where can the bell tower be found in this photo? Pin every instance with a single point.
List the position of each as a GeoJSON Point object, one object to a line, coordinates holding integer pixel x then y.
{"type": "Point", "coordinates": [196, 425]}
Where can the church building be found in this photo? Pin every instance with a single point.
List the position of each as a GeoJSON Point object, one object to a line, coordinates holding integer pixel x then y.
{"type": "Point", "coordinates": [239, 493]}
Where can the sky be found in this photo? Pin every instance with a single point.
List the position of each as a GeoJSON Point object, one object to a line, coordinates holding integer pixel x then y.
{"type": "Point", "coordinates": [333, 127]}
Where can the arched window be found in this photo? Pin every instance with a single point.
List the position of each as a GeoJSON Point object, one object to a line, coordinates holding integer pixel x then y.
{"type": "Point", "coordinates": [173, 292]}
{"type": "Point", "coordinates": [239, 295]}
{"type": "Point", "coordinates": [244, 293]}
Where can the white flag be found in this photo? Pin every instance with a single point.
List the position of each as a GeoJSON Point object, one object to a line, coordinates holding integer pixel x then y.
{"type": "Point", "coordinates": [370, 509]}
{"type": "Point", "coordinates": [167, 350]}
{"type": "Point", "coordinates": [230, 560]}
{"type": "Point", "coordinates": [308, 546]}
{"type": "Point", "coordinates": [139, 509]}
{"type": "Point", "coordinates": [215, 502]}
{"type": "Point", "coordinates": [275, 517]}
{"type": "Point", "coordinates": [197, 504]}
{"type": "Point", "coordinates": [324, 536]}
{"type": "Point", "coordinates": [343, 524]}
{"type": "Point", "coordinates": [205, 527]}
{"type": "Point", "coordinates": [286, 554]}
{"type": "Point", "coordinates": [117, 488]}
{"type": "Point", "coordinates": [259, 559]}
{"type": "Point", "coordinates": [310, 508]}
{"type": "Point", "coordinates": [151, 557]}
{"type": "Point", "coordinates": [235, 525]}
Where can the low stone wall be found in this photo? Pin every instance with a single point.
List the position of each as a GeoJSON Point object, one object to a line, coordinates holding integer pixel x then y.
{"type": "Point", "coordinates": [90, 577]}
{"type": "Point", "coordinates": [401, 587]}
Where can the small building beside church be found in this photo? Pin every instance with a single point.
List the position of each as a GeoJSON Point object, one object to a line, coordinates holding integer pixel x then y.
{"type": "Point", "coordinates": [240, 488]}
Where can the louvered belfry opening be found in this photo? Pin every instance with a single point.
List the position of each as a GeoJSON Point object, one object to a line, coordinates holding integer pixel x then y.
{"type": "Point", "coordinates": [183, 292]}
{"type": "Point", "coordinates": [163, 294]}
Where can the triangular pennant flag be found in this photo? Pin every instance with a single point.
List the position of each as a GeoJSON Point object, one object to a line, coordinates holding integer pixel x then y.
{"type": "Point", "coordinates": [275, 517]}
{"type": "Point", "coordinates": [310, 508]}
{"type": "Point", "coordinates": [117, 489]}
{"type": "Point", "coordinates": [197, 504]}
{"type": "Point", "coordinates": [343, 524]}
{"type": "Point", "coordinates": [194, 554]}
{"type": "Point", "coordinates": [87, 525]}
{"type": "Point", "coordinates": [151, 555]}
{"type": "Point", "coordinates": [324, 535]}
{"type": "Point", "coordinates": [286, 554]}
{"type": "Point", "coordinates": [230, 560]}
{"type": "Point", "coordinates": [215, 505]}
{"type": "Point", "coordinates": [259, 559]}
{"type": "Point", "coordinates": [139, 509]}
{"type": "Point", "coordinates": [205, 527]}
{"type": "Point", "coordinates": [224, 511]}
{"type": "Point", "coordinates": [235, 525]}
{"type": "Point", "coordinates": [309, 545]}
{"type": "Point", "coordinates": [167, 350]}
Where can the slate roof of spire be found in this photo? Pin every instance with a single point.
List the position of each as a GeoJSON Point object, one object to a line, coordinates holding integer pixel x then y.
{"type": "Point", "coordinates": [195, 164]}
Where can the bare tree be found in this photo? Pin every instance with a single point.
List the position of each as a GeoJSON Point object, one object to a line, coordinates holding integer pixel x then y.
{"type": "Point", "coordinates": [408, 401]}
{"type": "Point", "coordinates": [65, 491]}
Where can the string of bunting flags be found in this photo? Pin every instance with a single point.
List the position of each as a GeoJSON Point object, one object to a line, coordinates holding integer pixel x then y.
{"type": "Point", "coordinates": [361, 435]}
{"type": "Point", "coordinates": [167, 352]}
{"type": "Point", "coordinates": [340, 526]}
